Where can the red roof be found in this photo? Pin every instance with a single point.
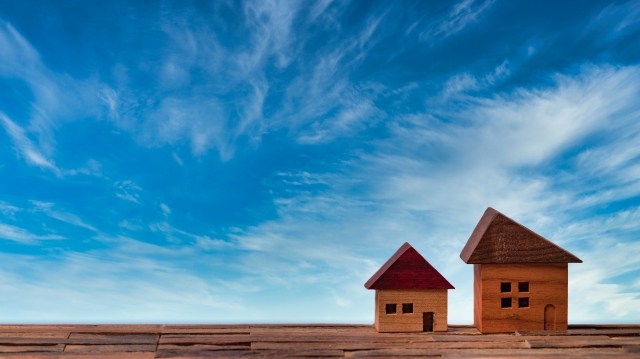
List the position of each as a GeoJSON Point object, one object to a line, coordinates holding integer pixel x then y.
{"type": "Point", "coordinates": [407, 269]}
{"type": "Point", "coordinates": [499, 239]}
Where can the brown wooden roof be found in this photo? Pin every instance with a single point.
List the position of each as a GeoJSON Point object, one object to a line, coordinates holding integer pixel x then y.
{"type": "Point", "coordinates": [308, 341]}
{"type": "Point", "coordinates": [407, 269]}
{"type": "Point", "coordinates": [499, 239]}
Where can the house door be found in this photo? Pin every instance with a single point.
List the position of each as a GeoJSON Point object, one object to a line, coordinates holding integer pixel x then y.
{"type": "Point", "coordinates": [550, 317]}
{"type": "Point", "coordinates": [427, 321]}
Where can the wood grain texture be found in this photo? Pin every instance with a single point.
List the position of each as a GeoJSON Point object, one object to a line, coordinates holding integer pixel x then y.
{"type": "Point", "coordinates": [499, 239]}
{"type": "Point", "coordinates": [433, 300]}
{"type": "Point", "coordinates": [407, 269]}
{"type": "Point", "coordinates": [318, 341]}
{"type": "Point", "coordinates": [548, 284]}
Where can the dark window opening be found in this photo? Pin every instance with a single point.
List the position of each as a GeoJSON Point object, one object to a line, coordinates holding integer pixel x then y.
{"type": "Point", "coordinates": [506, 303]}
{"type": "Point", "coordinates": [407, 308]}
{"type": "Point", "coordinates": [523, 287]}
{"type": "Point", "coordinates": [505, 287]}
{"type": "Point", "coordinates": [523, 302]}
{"type": "Point", "coordinates": [391, 309]}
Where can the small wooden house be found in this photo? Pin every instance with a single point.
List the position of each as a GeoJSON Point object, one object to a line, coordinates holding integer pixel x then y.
{"type": "Point", "coordinates": [520, 278]}
{"type": "Point", "coordinates": [411, 296]}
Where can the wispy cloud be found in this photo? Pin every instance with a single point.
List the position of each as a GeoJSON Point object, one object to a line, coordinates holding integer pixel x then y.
{"type": "Point", "coordinates": [21, 235]}
{"type": "Point", "coordinates": [128, 191]}
{"type": "Point", "coordinates": [67, 217]}
{"type": "Point", "coordinates": [8, 210]}
{"type": "Point", "coordinates": [25, 146]}
{"type": "Point", "coordinates": [464, 82]}
{"type": "Point", "coordinates": [462, 15]}
{"type": "Point", "coordinates": [56, 99]}
{"type": "Point", "coordinates": [93, 287]}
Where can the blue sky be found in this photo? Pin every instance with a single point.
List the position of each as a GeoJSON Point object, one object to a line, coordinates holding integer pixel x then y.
{"type": "Point", "coordinates": [257, 161]}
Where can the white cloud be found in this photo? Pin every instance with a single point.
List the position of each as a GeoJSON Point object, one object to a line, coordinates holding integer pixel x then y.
{"type": "Point", "coordinates": [177, 158]}
{"type": "Point", "coordinates": [25, 146]}
{"type": "Point", "coordinates": [8, 210]}
{"type": "Point", "coordinates": [165, 209]}
{"type": "Point", "coordinates": [21, 235]}
{"type": "Point", "coordinates": [56, 99]}
{"type": "Point", "coordinates": [67, 217]}
{"type": "Point", "coordinates": [128, 191]}
{"type": "Point", "coordinates": [99, 288]}
{"type": "Point", "coordinates": [462, 15]}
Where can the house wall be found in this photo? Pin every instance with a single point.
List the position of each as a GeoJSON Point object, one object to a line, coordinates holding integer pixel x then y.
{"type": "Point", "coordinates": [432, 300]}
{"type": "Point", "coordinates": [548, 284]}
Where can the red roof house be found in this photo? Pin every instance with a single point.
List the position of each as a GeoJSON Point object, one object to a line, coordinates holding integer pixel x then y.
{"type": "Point", "coordinates": [411, 295]}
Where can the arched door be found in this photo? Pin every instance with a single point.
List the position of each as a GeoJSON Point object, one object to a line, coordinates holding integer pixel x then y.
{"type": "Point", "coordinates": [550, 317]}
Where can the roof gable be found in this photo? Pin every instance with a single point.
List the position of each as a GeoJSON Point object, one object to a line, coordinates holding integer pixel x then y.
{"type": "Point", "coordinates": [499, 239]}
{"type": "Point", "coordinates": [407, 269]}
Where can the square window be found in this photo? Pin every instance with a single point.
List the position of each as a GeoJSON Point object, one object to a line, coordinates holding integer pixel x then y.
{"type": "Point", "coordinates": [506, 302]}
{"type": "Point", "coordinates": [523, 302]}
{"type": "Point", "coordinates": [407, 308]}
{"type": "Point", "coordinates": [523, 287]}
{"type": "Point", "coordinates": [391, 309]}
{"type": "Point", "coordinates": [505, 287]}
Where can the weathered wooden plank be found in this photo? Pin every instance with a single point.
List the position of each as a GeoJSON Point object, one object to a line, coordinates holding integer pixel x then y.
{"type": "Point", "coordinates": [207, 339]}
{"type": "Point", "coordinates": [204, 335]}
{"type": "Point", "coordinates": [206, 326]}
{"type": "Point", "coordinates": [604, 326]}
{"type": "Point", "coordinates": [341, 337]}
{"type": "Point", "coordinates": [86, 341]}
{"type": "Point", "coordinates": [236, 339]}
{"type": "Point", "coordinates": [314, 325]}
{"type": "Point", "coordinates": [478, 338]}
{"type": "Point", "coordinates": [107, 328]}
{"type": "Point", "coordinates": [29, 334]}
{"type": "Point", "coordinates": [202, 347]}
{"type": "Point", "coordinates": [117, 355]}
{"type": "Point", "coordinates": [582, 332]}
{"type": "Point", "coordinates": [387, 345]}
{"type": "Point", "coordinates": [573, 342]}
{"type": "Point", "coordinates": [252, 353]}
{"type": "Point", "coordinates": [446, 353]}
{"type": "Point", "coordinates": [118, 337]}
{"type": "Point", "coordinates": [632, 348]}
{"type": "Point", "coordinates": [110, 348]}
{"type": "Point", "coordinates": [31, 348]}
{"type": "Point", "coordinates": [547, 355]}
{"type": "Point", "coordinates": [207, 331]}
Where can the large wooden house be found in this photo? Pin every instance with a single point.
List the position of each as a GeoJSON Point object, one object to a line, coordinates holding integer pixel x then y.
{"type": "Point", "coordinates": [520, 278]}
{"type": "Point", "coordinates": [411, 295]}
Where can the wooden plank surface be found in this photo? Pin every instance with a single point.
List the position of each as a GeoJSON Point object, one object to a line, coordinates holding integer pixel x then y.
{"type": "Point", "coordinates": [308, 341]}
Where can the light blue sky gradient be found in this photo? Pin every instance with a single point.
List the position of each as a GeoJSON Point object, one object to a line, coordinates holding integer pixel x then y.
{"type": "Point", "coordinates": [257, 160]}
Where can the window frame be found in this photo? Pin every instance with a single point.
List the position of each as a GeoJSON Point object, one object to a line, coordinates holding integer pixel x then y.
{"type": "Point", "coordinates": [502, 302]}
{"type": "Point", "coordinates": [407, 305]}
{"type": "Point", "coordinates": [503, 284]}
{"type": "Point", "coordinates": [389, 306]}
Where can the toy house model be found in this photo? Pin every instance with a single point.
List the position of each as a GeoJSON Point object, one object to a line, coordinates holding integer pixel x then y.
{"type": "Point", "coordinates": [520, 278]}
{"type": "Point", "coordinates": [411, 296]}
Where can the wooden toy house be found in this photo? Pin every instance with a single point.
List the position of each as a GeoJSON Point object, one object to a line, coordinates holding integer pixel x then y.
{"type": "Point", "coordinates": [411, 295]}
{"type": "Point", "coordinates": [520, 278]}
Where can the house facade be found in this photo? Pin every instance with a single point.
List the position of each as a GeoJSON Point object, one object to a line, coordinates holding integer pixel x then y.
{"type": "Point", "coordinates": [411, 295]}
{"type": "Point", "coordinates": [520, 278]}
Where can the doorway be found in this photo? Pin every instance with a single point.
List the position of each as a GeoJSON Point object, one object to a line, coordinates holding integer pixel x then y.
{"type": "Point", "coordinates": [427, 321]}
{"type": "Point", "coordinates": [550, 317]}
